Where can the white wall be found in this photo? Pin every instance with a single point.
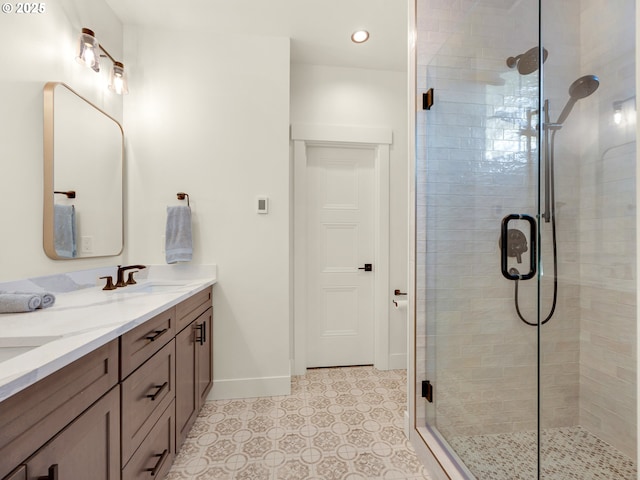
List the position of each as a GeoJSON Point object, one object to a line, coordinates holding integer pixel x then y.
{"type": "Point", "coordinates": [323, 95]}
{"type": "Point", "coordinates": [35, 49]}
{"type": "Point", "coordinates": [209, 115]}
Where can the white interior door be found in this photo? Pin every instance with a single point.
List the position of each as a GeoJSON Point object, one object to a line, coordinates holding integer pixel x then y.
{"type": "Point", "coordinates": [340, 241]}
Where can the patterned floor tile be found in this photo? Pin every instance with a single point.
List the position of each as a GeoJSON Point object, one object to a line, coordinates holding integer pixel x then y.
{"type": "Point", "coordinates": [337, 424]}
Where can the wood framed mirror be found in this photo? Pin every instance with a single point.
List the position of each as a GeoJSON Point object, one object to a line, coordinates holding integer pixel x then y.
{"type": "Point", "coordinates": [83, 177]}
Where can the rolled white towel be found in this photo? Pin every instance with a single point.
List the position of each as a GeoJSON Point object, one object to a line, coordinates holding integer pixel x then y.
{"type": "Point", "coordinates": [47, 299]}
{"type": "Point", "coordinates": [19, 302]}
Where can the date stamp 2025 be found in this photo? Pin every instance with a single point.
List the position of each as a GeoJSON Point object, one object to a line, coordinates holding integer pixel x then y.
{"type": "Point", "coordinates": [24, 8]}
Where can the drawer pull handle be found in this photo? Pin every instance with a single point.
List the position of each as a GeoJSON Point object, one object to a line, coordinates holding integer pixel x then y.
{"type": "Point", "coordinates": [53, 473]}
{"type": "Point", "coordinates": [160, 388]}
{"type": "Point", "coordinates": [156, 334]}
{"type": "Point", "coordinates": [163, 456]}
{"type": "Point", "coordinates": [201, 338]}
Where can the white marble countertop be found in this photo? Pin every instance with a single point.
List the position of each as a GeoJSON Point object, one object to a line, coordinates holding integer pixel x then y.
{"type": "Point", "coordinates": [82, 320]}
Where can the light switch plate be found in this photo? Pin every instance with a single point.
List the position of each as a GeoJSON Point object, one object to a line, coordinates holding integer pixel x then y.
{"type": "Point", "coordinates": [86, 244]}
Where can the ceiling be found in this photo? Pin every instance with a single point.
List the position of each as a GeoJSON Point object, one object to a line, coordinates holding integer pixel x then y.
{"type": "Point", "coordinates": [320, 30]}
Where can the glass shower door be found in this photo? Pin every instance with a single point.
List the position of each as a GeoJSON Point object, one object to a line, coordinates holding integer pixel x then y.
{"type": "Point", "coordinates": [588, 296]}
{"type": "Point", "coordinates": [478, 171]}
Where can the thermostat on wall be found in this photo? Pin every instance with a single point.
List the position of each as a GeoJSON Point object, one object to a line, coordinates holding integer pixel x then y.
{"type": "Point", "coordinates": [263, 204]}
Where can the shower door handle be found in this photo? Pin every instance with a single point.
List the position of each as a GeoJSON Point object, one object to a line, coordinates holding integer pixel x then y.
{"type": "Point", "coordinates": [504, 247]}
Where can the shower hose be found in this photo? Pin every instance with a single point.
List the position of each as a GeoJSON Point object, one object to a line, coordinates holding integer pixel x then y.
{"type": "Point", "coordinates": [554, 244]}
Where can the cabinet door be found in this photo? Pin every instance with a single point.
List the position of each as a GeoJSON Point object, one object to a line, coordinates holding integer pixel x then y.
{"type": "Point", "coordinates": [205, 356]}
{"type": "Point", "coordinates": [88, 448]}
{"type": "Point", "coordinates": [186, 397]}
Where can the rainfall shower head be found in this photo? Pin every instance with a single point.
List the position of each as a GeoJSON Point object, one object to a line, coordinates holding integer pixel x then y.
{"type": "Point", "coordinates": [528, 61]}
{"type": "Point", "coordinates": [581, 88]}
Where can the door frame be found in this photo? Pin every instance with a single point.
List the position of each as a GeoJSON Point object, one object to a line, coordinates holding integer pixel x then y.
{"type": "Point", "coordinates": [379, 139]}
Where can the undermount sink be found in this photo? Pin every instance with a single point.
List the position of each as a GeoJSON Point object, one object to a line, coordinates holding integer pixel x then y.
{"type": "Point", "coordinates": [13, 346]}
{"type": "Point", "coordinates": [151, 287]}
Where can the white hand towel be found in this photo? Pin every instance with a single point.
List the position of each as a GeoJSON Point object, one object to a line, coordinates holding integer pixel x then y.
{"type": "Point", "coordinates": [178, 240]}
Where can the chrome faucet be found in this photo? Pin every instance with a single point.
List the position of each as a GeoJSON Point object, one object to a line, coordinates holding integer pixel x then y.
{"type": "Point", "coordinates": [120, 280]}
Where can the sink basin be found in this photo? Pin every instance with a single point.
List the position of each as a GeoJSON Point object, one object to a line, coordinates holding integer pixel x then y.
{"type": "Point", "coordinates": [151, 287]}
{"type": "Point", "coordinates": [13, 346]}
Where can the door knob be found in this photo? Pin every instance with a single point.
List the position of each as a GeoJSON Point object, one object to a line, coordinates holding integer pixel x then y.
{"type": "Point", "coordinates": [367, 267]}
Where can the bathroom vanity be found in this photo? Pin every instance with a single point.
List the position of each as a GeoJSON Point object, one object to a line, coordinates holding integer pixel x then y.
{"type": "Point", "coordinates": [123, 407]}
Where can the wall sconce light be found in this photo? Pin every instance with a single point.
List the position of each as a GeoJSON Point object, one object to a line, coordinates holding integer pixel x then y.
{"type": "Point", "coordinates": [118, 79]}
{"type": "Point", "coordinates": [88, 53]}
{"type": "Point", "coordinates": [617, 112]}
{"type": "Point", "coordinates": [619, 108]}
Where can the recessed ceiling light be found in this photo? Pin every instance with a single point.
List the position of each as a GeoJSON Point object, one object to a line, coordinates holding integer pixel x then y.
{"type": "Point", "coordinates": [360, 36]}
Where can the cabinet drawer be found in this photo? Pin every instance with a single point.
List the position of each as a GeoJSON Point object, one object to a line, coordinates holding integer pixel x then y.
{"type": "Point", "coordinates": [87, 448]}
{"type": "Point", "coordinates": [31, 417]}
{"type": "Point", "coordinates": [143, 341]}
{"type": "Point", "coordinates": [145, 395]}
{"type": "Point", "coordinates": [192, 308]}
{"type": "Point", "coordinates": [156, 454]}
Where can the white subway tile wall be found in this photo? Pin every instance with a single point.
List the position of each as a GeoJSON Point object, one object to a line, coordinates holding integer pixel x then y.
{"type": "Point", "coordinates": [607, 224]}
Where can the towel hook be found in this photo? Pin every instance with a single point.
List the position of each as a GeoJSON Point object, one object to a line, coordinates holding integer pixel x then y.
{"type": "Point", "coordinates": [181, 196]}
{"type": "Point", "coordinates": [69, 194]}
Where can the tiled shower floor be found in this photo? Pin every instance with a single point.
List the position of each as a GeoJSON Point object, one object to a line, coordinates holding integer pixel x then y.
{"type": "Point", "coordinates": [337, 424]}
{"type": "Point", "coordinates": [569, 453]}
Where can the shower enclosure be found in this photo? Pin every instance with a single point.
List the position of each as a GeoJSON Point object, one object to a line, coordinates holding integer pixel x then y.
{"type": "Point", "coordinates": [525, 245]}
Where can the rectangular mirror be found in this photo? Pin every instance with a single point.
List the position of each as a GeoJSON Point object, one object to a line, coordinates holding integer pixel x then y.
{"type": "Point", "coordinates": [83, 177]}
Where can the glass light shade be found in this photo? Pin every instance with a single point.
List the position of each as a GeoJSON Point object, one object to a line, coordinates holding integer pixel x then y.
{"type": "Point", "coordinates": [617, 116]}
{"type": "Point", "coordinates": [118, 79]}
{"type": "Point", "coordinates": [87, 52]}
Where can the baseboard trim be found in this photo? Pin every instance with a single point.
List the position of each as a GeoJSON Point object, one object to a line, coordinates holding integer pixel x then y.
{"type": "Point", "coordinates": [398, 361]}
{"type": "Point", "coordinates": [250, 387]}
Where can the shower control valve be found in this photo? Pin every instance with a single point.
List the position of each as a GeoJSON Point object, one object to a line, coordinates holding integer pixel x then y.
{"type": "Point", "coordinates": [513, 243]}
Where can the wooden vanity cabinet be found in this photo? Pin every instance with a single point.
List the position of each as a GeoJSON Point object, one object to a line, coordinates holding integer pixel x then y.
{"type": "Point", "coordinates": [194, 364]}
{"type": "Point", "coordinates": [180, 373]}
{"type": "Point", "coordinates": [120, 412]}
